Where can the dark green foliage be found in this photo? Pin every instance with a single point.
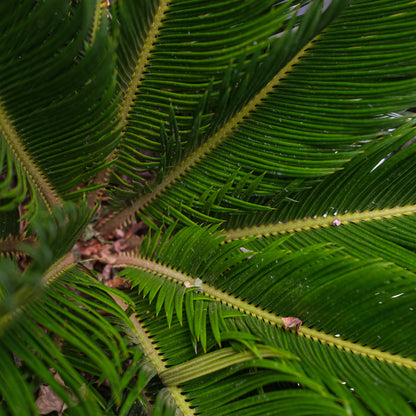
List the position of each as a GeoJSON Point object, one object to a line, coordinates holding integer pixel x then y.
{"type": "Point", "coordinates": [267, 149]}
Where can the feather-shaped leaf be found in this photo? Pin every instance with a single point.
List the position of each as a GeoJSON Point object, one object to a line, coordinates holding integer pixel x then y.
{"type": "Point", "coordinates": [290, 122]}
{"type": "Point", "coordinates": [287, 128]}
{"type": "Point", "coordinates": [57, 102]}
{"type": "Point", "coordinates": [338, 298]}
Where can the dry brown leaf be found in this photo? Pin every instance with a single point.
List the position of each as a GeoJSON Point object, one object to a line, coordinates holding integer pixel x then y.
{"type": "Point", "coordinates": [48, 401]}
{"type": "Point", "coordinates": [291, 322]}
{"type": "Point", "coordinates": [118, 282]}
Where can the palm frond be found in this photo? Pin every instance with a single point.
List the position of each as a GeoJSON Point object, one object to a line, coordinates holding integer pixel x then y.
{"type": "Point", "coordinates": [359, 381]}
{"type": "Point", "coordinates": [370, 205]}
{"type": "Point", "coordinates": [68, 333]}
{"type": "Point", "coordinates": [268, 148]}
{"type": "Point", "coordinates": [55, 237]}
{"type": "Point", "coordinates": [131, 24]}
{"type": "Point", "coordinates": [317, 284]}
{"type": "Point", "coordinates": [57, 93]}
{"type": "Point", "coordinates": [289, 134]}
{"type": "Point", "coordinates": [187, 62]}
{"type": "Point", "coordinates": [57, 322]}
{"type": "Point", "coordinates": [11, 196]}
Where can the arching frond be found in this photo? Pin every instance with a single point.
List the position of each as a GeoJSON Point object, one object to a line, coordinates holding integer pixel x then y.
{"type": "Point", "coordinates": [290, 119]}
{"type": "Point", "coordinates": [368, 208]}
{"type": "Point", "coordinates": [339, 299]}
{"type": "Point", "coordinates": [59, 327]}
{"type": "Point", "coordinates": [57, 102]}
{"type": "Point", "coordinates": [59, 336]}
{"type": "Point", "coordinates": [267, 149]}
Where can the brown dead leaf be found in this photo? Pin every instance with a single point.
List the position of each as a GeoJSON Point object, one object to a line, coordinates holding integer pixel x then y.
{"type": "Point", "coordinates": [118, 282]}
{"type": "Point", "coordinates": [48, 401]}
{"type": "Point", "coordinates": [291, 322]}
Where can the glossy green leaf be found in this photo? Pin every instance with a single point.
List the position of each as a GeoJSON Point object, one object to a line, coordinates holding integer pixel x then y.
{"type": "Point", "coordinates": [266, 150]}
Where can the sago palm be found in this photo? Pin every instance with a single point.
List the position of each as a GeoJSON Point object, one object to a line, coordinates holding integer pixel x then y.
{"type": "Point", "coordinates": [265, 150]}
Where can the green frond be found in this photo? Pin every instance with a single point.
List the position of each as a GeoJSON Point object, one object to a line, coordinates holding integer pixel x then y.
{"type": "Point", "coordinates": [290, 118]}
{"type": "Point", "coordinates": [18, 192]}
{"type": "Point", "coordinates": [378, 178]}
{"type": "Point", "coordinates": [69, 331]}
{"type": "Point", "coordinates": [55, 236]}
{"type": "Point", "coordinates": [215, 361]}
{"type": "Point", "coordinates": [339, 299]}
{"type": "Point", "coordinates": [368, 208]}
{"type": "Point", "coordinates": [204, 54]}
{"type": "Point", "coordinates": [267, 149]}
{"type": "Point", "coordinates": [361, 382]}
{"type": "Point", "coordinates": [133, 24]}
{"type": "Point", "coordinates": [157, 277]}
{"type": "Point", "coordinates": [375, 235]}
{"type": "Point", "coordinates": [57, 101]}
{"type": "Point", "coordinates": [10, 195]}
{"type": "Point", "coordinates": [58, 322]}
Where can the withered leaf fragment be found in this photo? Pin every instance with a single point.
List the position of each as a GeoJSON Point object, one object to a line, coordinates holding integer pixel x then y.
{"type": "Point", "coordinates": [291, 321]}
{"type": "Point", "coordinates": [48, 401]}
